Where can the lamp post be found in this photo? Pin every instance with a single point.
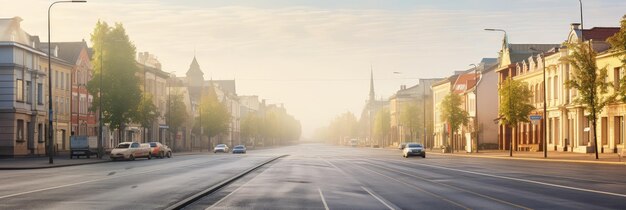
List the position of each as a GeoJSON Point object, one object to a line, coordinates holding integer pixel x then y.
{"type": "Point", "coordinates": [506, 41]}
{"type": "Point", "coordinates": [545, 108]}
{"type": "Point", "coordinates": [50, 111]}
{"type": "Point", "coordinates": [169, 107]}
{"type": "Point", "coordinates": [476, 124]}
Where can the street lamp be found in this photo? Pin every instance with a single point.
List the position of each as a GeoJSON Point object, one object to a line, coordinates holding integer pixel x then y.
{"type": "Point", "coordinates": [545, 109]}
{"type": "Point", "coordinates": [506, 41]}
{"type": "Point", "coordinates": [50, 111]}
{"type": "Point", "coordinates": [169, 107]}
{"type": "Point", "coordinates": [476, 129]}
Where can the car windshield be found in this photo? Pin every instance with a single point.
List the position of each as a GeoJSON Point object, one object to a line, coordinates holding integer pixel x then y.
{"type": "Point", "coordinates": [414, 146]}
{"type": "Point", "coordinates": [220, 145]}
{"type": "Point", "coordinates": [238, 147]}
{"type": "Point", "coordinates": [153, 144]}
{"type": "Point", "coordinates": [123, 146]}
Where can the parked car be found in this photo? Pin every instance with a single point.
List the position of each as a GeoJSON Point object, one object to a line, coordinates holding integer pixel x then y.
{"type": "Point", "coordinates": [220, 148]}
{"type": "Point", "coordinates": [239, 149]}
{"type": "Point", "coordinates": [130, 151]}
{"type": "Point", "coordinates": [160, 150]}
{"type": "Point", "coordinates": [414, 149]}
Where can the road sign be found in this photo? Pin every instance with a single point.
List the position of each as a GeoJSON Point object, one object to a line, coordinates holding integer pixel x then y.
{"type": "Point", "coordinates": [535, 119]}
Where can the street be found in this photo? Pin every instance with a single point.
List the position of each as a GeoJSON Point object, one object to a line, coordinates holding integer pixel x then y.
{"type": "Point", "coordinates": [316, 176]}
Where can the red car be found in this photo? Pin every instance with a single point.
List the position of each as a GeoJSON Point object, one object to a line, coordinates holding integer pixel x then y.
{"type": "Point", "coordinates": [160, 150]}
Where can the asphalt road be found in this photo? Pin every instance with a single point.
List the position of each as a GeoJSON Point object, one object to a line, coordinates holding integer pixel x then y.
{"type": "Point", "coordinates": [328, 177]}
{"type": "Point", "coordinates": [317, 176]}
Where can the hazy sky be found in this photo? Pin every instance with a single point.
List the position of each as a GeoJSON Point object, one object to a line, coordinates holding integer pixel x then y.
{"type": "Point", "coordinates": [315, 56]}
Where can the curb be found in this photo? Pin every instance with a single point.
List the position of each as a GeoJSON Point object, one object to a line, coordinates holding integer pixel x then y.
{"type": "Point", "coordinates": [104, 160]}
{"type": "Point", "coordinates": [536, 159]}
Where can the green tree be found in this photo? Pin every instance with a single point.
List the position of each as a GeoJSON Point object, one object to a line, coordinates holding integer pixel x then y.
{"type": "Point", "coordinates": [590, 83]}
{"type": "Point", "coordinates": [618, 40]}
{"type": "Point", "coordinates": [515, 104]}
{"type": "Point", "coordinates": [250, 126]}
{"type": "Point", "coordinates": [411, 118]}
{"type": "Point", "coordinates": [214, 117]}
{"type": "Point", "coordinates": [176, 115]}
{"type": "Point", "coordinates": [381, 125]}
{"type": "Point", "coordinates": [453, 114]}
{"type": "Point", "coordinates": [114, 60]}
{"type": "Point", "coordinates": [146, 112]}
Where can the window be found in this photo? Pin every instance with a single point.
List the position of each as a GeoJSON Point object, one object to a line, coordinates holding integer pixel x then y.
{"type": "Point", "coordinates": [549, 86]}
{"type": "Point", "coordinates": [39, 93]}
{"type": "Point", "coordinates": [618, 74]}
{"type": "Point", "coordinates": [619, 129]}
{"type": "Point", "coordinates": [20, 130]}
{"type": "Point", "coordinates": [29, 92]}
{"type": "Point", "coordinates": [555, 88]}
{"type": "Point", "coordinates": [19, 87]}
{"type": "Point", "coordinates": [40, 132]}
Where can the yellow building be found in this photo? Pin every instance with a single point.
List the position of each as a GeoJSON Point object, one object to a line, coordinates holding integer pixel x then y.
{"type": "Point", "coordinates": [61, 96]}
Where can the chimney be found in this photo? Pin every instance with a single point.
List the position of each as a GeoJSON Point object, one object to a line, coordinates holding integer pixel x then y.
{"type": "Point", "coordinates": [575, 26]}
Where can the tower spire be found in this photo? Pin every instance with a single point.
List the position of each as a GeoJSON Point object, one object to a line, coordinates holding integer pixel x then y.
{"type": "Point", "coordinates": [372, 95]}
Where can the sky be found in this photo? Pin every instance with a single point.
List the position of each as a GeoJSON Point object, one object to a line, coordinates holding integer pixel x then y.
{"type": "Point", "coordinates": [315, 56]}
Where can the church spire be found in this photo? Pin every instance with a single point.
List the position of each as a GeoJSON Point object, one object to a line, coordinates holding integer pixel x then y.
{"type": "Point", "coordinates": [195, 76]}
{"type": "Point", "coordinates": [372, 95]}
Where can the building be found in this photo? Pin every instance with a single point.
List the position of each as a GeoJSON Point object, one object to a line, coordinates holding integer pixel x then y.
{"type": "Point", "coordinates": [440, 90]}
{"type": "Point", "coordinates": [482, 95]}
{"type": "Point", "coordinates": [23, 97]}
{"type": "Point", "coordinates": [154, 83]}
{"type": "Point", "coordinates": [368, 116]}
{"type": "Point", "coordinates": [420, 96]}
{"type": "Point", "coordinates": [83, 119]}
{"type": "Point", "coordinates": [567, 125]}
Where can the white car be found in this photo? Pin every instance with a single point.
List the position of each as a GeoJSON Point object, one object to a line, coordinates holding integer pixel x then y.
{"type": "Point", "coordinates": [220, 148]}
{"type": "Point", "coordinates": [130, 151]}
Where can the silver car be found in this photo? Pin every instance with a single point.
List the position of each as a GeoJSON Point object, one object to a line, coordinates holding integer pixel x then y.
{"type": "Point", "coordinates": [414, 149]}
{"type": "Point", "coordinates": [220, 148]}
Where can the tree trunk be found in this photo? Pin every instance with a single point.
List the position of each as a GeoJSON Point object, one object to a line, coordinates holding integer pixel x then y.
{"type": "Point", "coordinates": [595, 139]}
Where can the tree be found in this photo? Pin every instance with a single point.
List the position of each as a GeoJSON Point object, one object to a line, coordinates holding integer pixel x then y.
{"type": "Point", "coordinates": [411, 118]}
{"type": "Point", "coordinates": [590, 83]}
{"type": "Point", "coordinates": [146, 112]}
{"type": "Point", "coordinates": [250, 126]}
{"type": "Point", "coordinates": [381, 125]}
{"type": "Point", "coordinates": [515, 104]}
{"type": "Point", "coordinates": [214, 117]}
{"type": "Point", "coordinates": [618, 40]}
{"type": "Point", "coordinates": [453, 114]}
{"type": "Point", "coordinates": [176, 114]}
{"type": "Point", "coordinates": [121, 95]}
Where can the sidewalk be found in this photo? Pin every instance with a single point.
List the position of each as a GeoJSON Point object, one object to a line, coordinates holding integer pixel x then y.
{"type": "Point", "coordinates": [60, 160]}
{"type": "Point", "coordinates": [604, 158]}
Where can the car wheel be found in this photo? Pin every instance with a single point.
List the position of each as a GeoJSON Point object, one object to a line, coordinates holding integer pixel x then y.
{"type": "Point", "coordinates": [149, 156]}
{"type": "Point", "coordinates": [131, 157]}
{"type": "Point", "coordinates": [71, 156]}
{"type": "Point", "coordinates": [424, 156]}
{"type": "Point", "coordinates": [169, 154]}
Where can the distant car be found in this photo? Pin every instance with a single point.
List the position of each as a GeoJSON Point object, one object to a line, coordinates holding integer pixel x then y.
{"type": "Point", "coordinates": [160, 150]}
{"type": "Point", "coordinates": [414, 149]}
{"type": "Point", "coordinates": [130, 151]}
{"type": "Point", "coordinates": [220, 148]}
{"type": "Point", "coordinates": [401, 146]}
{"type": "Point", "coordinates": [239, 149]}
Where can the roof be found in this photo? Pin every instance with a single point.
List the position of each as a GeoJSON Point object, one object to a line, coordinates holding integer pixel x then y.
{"type": "Point", "coordinates": [445, 80]}
{"type": "Point", "coordinates": [464, 82]}
{"type": "Point", "coordinates": [194, 68]}
{"type": "Point", "coordinates": [599, 33]}
{"type": "Point", "coordinates": [225, 85]}
{"type": "Point", "coordinates": [520, 52]}
{"type": "Point", "coordinates": [68, 51]}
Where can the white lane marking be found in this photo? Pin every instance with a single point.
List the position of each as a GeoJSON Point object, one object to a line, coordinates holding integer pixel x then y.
{"type": "Point", "coordinates": [416, 187]}
{"type": "Point", "coordinates": [233, 192]}
{"type": "Point", "coordinates": [523, 180]}
{"type": "Point", "coordinates": [378, 198]}
{"type": "Point", "coordinates": [323, 200]}
{"type": "Point", "coordinates": [89, 181]}
{"type": "Point", "coordinates": [453, 187]}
